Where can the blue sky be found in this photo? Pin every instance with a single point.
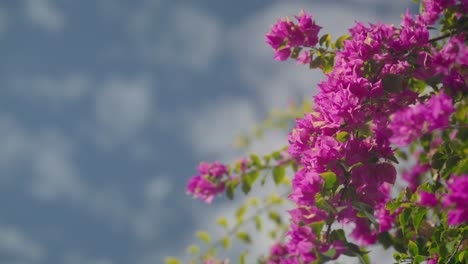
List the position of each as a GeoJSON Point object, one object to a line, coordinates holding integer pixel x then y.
{"type": "Point", "coordinates": [108, 106]}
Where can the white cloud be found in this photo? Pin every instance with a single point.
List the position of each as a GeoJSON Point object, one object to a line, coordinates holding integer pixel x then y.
{"type": "Point", "coordinates": [52, 174]}
{"type": "Point", "coordinates": [14, 141]}
{"type": "Point", "coordinates": [146, 222]}
{"type": "Point", "coordinates": [122, 109]}
{"type": "Point", "coordinates": [55, 174]}
{"type": "Point", "coordinates": [190, 38]}
{"type": "Point", "coordinates": [44, 14]}
{"type": "Point", "coordinates": [213, 127]}
{"type": "Point", "coordinates": [140, 20]}
{"type": "Point", "coordinates": [15, 244]}
{"type": "Point", "coordinates": [157, 189]}
{"type": "Point", "coordinates": [193, 42]}
{"type": "Point", "coordinates": [50, 153]}
{"type": "Point", "coordinates": [53, 91]}
{"type": "Point", "coordinates": [75, 258]}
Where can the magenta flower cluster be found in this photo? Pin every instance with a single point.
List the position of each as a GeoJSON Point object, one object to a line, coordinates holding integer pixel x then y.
{"type": "Point", "coordinates": [349, 100]}
{"type": "Point", "coordinates": [363, 110]}
{"type": "Point", "coordinates": [411, 123]}
{"type": "Point", "coordinates": [209, 182]}
{"type": "Point", "coordinates": [456, 200]}
{"type": "Point", "coordinates": [286, 35]}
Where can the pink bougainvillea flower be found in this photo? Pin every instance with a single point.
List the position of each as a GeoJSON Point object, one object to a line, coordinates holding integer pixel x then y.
{"type": "Point", "coordinates": [303, 58]}
{"type": "Point", "coordinates": [456, 200]}
{"type": "Point", "coordinates": [411, 123]}
{"type": "Point", "coordinates": [204, 189]}
{"type": "Point", "coordinates": [427, 199]}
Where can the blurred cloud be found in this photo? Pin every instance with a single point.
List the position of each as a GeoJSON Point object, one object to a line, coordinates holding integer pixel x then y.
{"type": "Point", "coordinates": [16, 245]}
{"type": "Point", "coordinates": [55, 174]}
{"type": "Point", "coordinates": [45, 14]}
{"type": "Point", "coordinates": [146, 223]}
{"type": "Point", "coordinates": [54, 177]}
{"type": "Point", "coordinates": [211, 128]}
{"type": "Point", "coordinates": [14, 141]}
{"type": "Point", "coordinates": [75, 258]}
{"type": "Point", "coordinates": [52, 91]}
{"type": "Point", "coordinates": [194, 42]}
{"type": "Point", "coordinates": [122, 109]}
{"type": "Point", "coordinates": [188, 38]}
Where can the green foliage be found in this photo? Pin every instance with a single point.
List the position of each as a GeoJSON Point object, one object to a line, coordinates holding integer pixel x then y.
{"type": "Point", "coordinates": [204, 236]}
{"type": "Point", "coordinates": [244, 237]}
{"type": "Point", "coordinates": [222, 221]}
{"type": "Point", "coordinates": [279, 173]}
{"type": "Point", "coordinates": [172, 260]}
{"type": "Point", "coordinates": [329, 178]}
{"type": "Point", "coordinates": [248, 180]}
{"type": "Point", "coordinates": [419, 232]}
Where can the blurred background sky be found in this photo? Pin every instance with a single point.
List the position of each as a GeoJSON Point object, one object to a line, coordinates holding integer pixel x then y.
{"type": "Point", "coordinates": [108, 106]}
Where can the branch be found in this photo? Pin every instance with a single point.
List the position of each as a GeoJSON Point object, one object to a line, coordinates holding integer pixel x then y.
{"type": "Point", "coordinates": [455, 251]}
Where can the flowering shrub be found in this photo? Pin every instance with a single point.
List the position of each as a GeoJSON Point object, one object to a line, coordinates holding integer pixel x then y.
{"type": "Point", "coordinates": [385, 87]}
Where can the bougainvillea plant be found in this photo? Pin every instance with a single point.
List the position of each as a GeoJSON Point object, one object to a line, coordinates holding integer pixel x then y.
{"type": "Point", "coordinates": [391, 95]}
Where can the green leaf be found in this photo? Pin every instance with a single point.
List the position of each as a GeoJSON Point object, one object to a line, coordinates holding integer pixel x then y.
{"type": "Point", "coordinates": [272, 234]}
{"type": "Point", "coordinates": [463, 256]}
{"type": "Point", "coordinates": [255, 159]}
{"type": "Point", "coordinates": [276, 155]}
{"type": "Point", "coordinates": [231, 188]}
{"type": "Point", "coordinates": [316, 63]}
{"type": "Point", "coordinates": [274, 216]}
{"type": "Point", "coordinates": [275, 199]}
{"type": "Point", "coordinates": [342, 136]}
{"type": "Point", "coordinates": [330, 253]}
{"type": "Point", "coordinates": [418, 216]}
{"type": "Point", "coordinates": [413, 248]}
{"type": "Point", "coordinates": [253, 201]}
{"type": "Point", "coordinates": [240, 213]}
{"type": "Point", "coordinates": [385, 240]}
{"type": "Point", "coordinates": [438, 160]}
{"type": "Point", "coordinates": [403, 219]}
{"type": "Point", "coordinates": [340, 41]}
{"type": "Point", "coordinates": [418, 259]}
{"type": "Point", "coordinates": [462, 167]}
{"type": "Point", "coordinates": [295, 52]}
{"type": "Point", "coordinates": [243, 236]}
{"type": "Point", "coordinates": [325, 39]}
{"type": "Point", "coordinates": [248, 180]}
{"type": "Point", "coordinates": [193, 249]}
{"type": "Point", "coordinates": [328, 64]}
{"type": "Point", "coordinates": [366, 211]}
{"type": "Point", "coordinates": [242, 257]}
{"type": "Point", "coordinates": [330, 179]}
{"type": "Point", "coordinates": [210, 253]}
{"type": "Point", "coordinates": [222, 221]}
{"type": "Point", "coordinates": [392, 205]}
{"type": "Point", "coordinates": [204, 236]}
{"type": "Point", "coordinates": [226, 242]}
{"type": "Point", "coordinates": [172, 260]}
{"type": "Point", "coordinates": [258, 222]}
{"type": "Point", "coordinates": [338, 235]}
{"type": "Point", "coordinates": [279, 172]}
